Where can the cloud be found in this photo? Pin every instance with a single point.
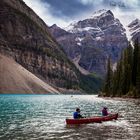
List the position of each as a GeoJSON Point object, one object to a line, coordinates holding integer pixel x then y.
{"type": "Point", "coordinates": [63, 12]}
{"type": "Point", "coordinates": [43, 10]}
{"type": "Point", "coordinates": [66, 8]}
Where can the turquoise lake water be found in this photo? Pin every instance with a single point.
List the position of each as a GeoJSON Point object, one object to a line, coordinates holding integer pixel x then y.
{"type": "Point", "coordinates": [42, 117]}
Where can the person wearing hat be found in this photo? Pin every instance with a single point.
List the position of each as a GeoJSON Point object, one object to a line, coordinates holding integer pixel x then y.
{"type": "Point", "coordinates": [76, 114]}
{"type": "Point", "coordinates": [104, 111]}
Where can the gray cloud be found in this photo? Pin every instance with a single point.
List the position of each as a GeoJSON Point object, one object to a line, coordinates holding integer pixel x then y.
{"type": "Point", "coordinates": [67, 8]}
{"type": "Point", "coordinates": [62, 12]}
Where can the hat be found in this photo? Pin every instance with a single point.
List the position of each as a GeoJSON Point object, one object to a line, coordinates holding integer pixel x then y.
{"type": "Point", "coordinates": [77, 109]}
{"type": "Point", "coordinates": [105, 107]}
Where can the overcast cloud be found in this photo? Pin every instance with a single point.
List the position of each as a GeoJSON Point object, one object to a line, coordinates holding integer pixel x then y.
{"type": "Point", "coordinates": [63, 12]}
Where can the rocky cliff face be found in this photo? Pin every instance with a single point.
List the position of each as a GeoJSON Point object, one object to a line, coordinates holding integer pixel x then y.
{"type": "Point", "coordinates": [26, 38]}
{"type": "Point", "coordinates": [134, 28]}
{"type": "Point", "coordinates": [93, 40]}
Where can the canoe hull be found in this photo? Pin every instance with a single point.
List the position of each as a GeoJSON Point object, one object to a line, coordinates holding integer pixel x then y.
{"type": "Point", "coordinates": [92, 119]}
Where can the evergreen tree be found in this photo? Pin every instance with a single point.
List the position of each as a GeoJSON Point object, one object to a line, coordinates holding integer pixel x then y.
{"type": "Point", "coordinates": [135, 62]}
{"type": "Point", "coordinates": [108, 81]}
{"type": "Point", "coordinates": [138, 72]}
{"type": "Point", "coordinates": [127, 69]}
{"type": "Point", "coordinates": [116, 80]}
{"type": "Point", "coordinates": [120, 77]}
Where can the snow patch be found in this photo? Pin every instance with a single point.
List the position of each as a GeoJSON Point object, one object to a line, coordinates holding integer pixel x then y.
{"type": "Point", "coordinates": [114, 67]}
{"type": "Point", "coordinates": [98, 13]}
{"type": "Point", "coordinates": [71, 26]}
{"type": "Point", "coordinates": [79, 39]}
{"type": "Point", "coordinates": [98, 38]}
{"type": "Point", "coordinates": [79, 44]}
{"type": "Point", "coordinates": [76, 30]}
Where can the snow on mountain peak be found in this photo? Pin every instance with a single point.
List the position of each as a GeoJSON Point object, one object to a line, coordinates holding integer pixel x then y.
{"type": "Point", "coordinates": [101, 12]}
{"type": "Point", "coordinates": [98, 13]}
{"type": "Point", "coordinates": [77, 27]}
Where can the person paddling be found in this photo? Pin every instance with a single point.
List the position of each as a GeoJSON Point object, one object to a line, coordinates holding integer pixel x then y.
{"type": "Point", "coordinates": [104, 111]}
{"type": "Point", "coordinates": [77, 115]}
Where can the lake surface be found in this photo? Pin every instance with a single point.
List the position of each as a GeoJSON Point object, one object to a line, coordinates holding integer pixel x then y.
{"type": "Point", "coordinates": [42, 117]}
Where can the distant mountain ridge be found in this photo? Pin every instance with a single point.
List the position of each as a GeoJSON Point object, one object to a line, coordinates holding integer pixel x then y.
{"type": "Point", "coordinates": [93, 40]}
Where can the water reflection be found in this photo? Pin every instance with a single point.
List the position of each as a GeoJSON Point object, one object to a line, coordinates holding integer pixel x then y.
{"type": "Point", "coordinates": [43, 117]}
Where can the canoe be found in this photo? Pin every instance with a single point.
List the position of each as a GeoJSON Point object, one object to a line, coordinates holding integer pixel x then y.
{"type": "Point", "coordinates": [95, 119]}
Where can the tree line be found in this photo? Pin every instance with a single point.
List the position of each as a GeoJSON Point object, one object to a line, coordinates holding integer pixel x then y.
{"type": "Point", "coordinates": [125, 79]}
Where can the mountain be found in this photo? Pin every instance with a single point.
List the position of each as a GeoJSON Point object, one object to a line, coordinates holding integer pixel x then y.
{"type": "Point", "coordinates": [134, 28]}
{"type": "Point", "coordinates": [91, 41]}
{"type": "Point", "coordinates": [25, 38]}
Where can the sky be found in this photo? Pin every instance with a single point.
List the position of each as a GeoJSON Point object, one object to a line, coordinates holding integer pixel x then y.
{"type": "Point", "coordinates": [64, 12]}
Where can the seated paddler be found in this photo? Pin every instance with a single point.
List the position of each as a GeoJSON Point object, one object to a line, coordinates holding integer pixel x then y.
{"type": "Point", "coordinates": [104, 111]}
{"type": "Point", "coordinates": [76, 114]}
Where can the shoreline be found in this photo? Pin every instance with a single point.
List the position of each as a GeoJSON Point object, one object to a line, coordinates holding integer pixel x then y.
{"type": "Point", "coordinates": [120, 98]}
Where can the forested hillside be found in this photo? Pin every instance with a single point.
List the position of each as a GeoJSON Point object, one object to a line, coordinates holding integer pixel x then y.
{"type": "Point", "coordinates": [125, 80]}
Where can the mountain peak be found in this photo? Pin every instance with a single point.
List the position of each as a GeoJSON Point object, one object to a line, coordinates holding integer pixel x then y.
{"type": "Point", "coordinates": [134, 22]}
{"type": "Point", "coordinates": [99, 19]}
{"type": "Point", "coordinates": [54, 26]}
{"type": "Point", "coordinates": [110, 12]}
{"type": "Point", "coordinates": [134, 28]}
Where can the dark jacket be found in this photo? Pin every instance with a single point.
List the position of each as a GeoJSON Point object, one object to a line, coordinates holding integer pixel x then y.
{"type": "Point", "coordinates": [77, 115]}
{"type": "Point", "coordinates": [104, 112]}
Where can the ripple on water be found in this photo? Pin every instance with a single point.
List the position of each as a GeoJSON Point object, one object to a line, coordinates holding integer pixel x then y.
{"type": "Point", "coordinates": [43, 117]}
